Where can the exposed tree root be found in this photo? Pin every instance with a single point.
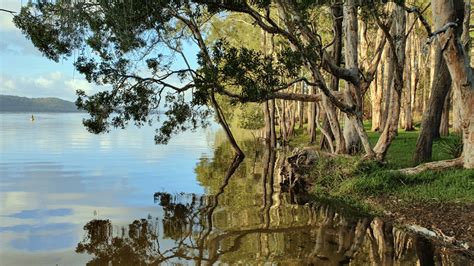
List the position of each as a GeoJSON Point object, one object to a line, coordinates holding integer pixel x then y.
{"type": "Point", "coordinates": [439, 165]}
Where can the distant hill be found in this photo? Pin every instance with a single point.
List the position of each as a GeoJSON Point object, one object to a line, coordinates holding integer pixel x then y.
{"type": "Point", "coordinates": [9, 103]}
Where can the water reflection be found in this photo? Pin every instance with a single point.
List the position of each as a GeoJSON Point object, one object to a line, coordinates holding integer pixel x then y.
{"type": "Point", "coordinates": [245, 218]}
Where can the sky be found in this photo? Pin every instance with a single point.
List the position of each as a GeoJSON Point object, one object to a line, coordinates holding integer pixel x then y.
{"type": "Point", "coordinates": [25, 72]}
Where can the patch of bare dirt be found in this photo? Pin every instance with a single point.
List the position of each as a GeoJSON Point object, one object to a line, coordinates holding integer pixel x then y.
{"type": "Point", "coordinates": [454, 220]}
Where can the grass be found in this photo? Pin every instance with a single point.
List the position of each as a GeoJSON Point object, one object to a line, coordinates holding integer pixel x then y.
{"type": "Point", "coordinates": [400, 153]}
{"type": "Point", "coordinates": [348, 180]}
{"type": "Point", "coordinates": [456, 185]}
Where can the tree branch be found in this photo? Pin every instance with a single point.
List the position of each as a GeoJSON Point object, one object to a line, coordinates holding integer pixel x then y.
{"type": "Point", "coordinates": [8, 11]}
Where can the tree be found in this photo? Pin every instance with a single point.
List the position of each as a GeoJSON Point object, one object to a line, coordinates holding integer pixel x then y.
{"type": "Point", "coordinates": [448, 17]}
{"type": "Point", "coordinates": [131, 47]}
{"type": "Point", "coordinates": [432, 118]}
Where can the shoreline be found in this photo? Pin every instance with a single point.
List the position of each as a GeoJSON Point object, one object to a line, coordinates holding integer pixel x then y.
{"type": "Point", "coordinates": [438, 203]}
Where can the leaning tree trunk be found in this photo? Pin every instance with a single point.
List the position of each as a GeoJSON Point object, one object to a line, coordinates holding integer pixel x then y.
{"type": "Point", "coordinates": [432, 116]}
{"type": "Point", "coordinates": [445, 12]}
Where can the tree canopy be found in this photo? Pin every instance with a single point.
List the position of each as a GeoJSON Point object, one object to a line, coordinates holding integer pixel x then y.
{"type": "Point", "coordinates": [247, 52]}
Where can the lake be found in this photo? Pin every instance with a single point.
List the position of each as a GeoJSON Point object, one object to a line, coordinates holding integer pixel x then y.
{"type": "Point", "coordinates": [68, 197]}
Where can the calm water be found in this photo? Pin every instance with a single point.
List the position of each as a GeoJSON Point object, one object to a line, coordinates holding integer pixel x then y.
{"type": "Point", "coordinates": [70, 198]}
{"type": "Point", "coordinates": [55, 177]}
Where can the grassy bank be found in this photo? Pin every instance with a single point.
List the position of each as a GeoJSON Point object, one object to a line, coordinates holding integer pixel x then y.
{"type": "Point", "coordinates": [350, 180]}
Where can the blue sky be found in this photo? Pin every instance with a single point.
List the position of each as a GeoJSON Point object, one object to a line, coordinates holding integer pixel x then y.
{"type": "Point", "coordinates": [25, 72]}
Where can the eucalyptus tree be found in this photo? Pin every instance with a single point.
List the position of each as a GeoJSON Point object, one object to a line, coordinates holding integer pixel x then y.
{"type": "Point", "coordinates": [132, 46]}
{"type": "Point", "coordinates": [448, 17]}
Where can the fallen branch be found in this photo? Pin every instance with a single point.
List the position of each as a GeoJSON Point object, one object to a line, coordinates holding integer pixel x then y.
{"type": "Point", "coordinates": [439, 165]}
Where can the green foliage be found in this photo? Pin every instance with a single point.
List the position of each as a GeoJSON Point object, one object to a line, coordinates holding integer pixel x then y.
{"type": "Point", "coordinates": [129, 46]}
{"type": "Point", "coordinates": [251, 117]}
{"type": "Point", "coordinates": [451, 146]}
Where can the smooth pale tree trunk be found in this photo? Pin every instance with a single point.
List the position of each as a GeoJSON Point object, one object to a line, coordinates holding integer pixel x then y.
{"type": "Point", "coordinates": [281, 122]}
{"type": "Point", "coordinates": [330, 109]}
{"type": "Point", "coordinates": [312, 118]}
{"type": "Point", "coordinates": [391, 125]}
{"type": "Point", "coordinates": [377, 89]}
{"type": "Point", "coordinates": [291, 107]}
{"type": "Point", "coordinates": [432, 116]}
{"type": "Point", "coordinates": [354, 128]}
{"type": "Point", "coordinates": [334, 125]}
{"type": "Point", "coordinates": [364, 46]}
{"type": "Point", "coordinates": [387, 87]}
{"type": "Point", "coordinates": [457, 60]}
{"type": "Point", "coordinates": [427, 86]}
{"type": "Point", "coordinates": [337, 14]}
{"type": "Point", "coordinates": [273, 136]}
{"type": "Point", "coordinates": [266, 117]}
{"type": "Point", "coordinates": [415, 76]}
{"type": "Point", "coordinates": [410, 83]}
{"type": "Point", "coordinates": [418, 92]}
{"type": "Point", "coordinates": [301, 108]}
{"type": "Point", "coordinates": [351, 136]}
{"type": "Point", "coordinates": [376, 101]}
{"type": "Point", "coordinates": [432, 67]}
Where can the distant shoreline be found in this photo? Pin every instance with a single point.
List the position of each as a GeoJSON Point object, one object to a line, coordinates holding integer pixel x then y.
{"type": "Point", "coordinates": [17, 104]}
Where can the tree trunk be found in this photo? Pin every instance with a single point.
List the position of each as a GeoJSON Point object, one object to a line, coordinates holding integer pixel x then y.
{"type": "Point", "coordinates": [410, 83]}
{"type": "Point", "coordinates": [376, 91]}
{"type": "Point", "coordinates": [311, 118]}
{"type": "Point", "coordinates": [387, 86]}
{"type": "Point", "coordinates": [283, 127]}
{"type": "Point", "coordinates": [351, 136]}
{"type": "Point", "coordinates": [398, 62]}
{"type": "Point", "coordinates": [337, 14]}
{"type": "Point", "coordinates": [444, 123]}
{"type": "Point", "coordinates": [273, 137]}
{"type": "Point", "coordinates": [457, 60]}
{"type": "Point", "coordinates": [432, 116]}
{"type": "Point", "coordinates": [466, 40]}
{"type": "Point", "coordinates": [301, 109]}
{"type": "Point", "coordinates": [457, 104]}
{"type": "Point", "coordinates": [222, 121]}
{"type": "Point", "coordinates": [266, 119]}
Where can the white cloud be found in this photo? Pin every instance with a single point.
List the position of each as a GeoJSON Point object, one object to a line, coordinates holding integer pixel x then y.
{"type": "Point", "coordinates": [79, 84]}
{"type": "Point", "coordinates": [43, 82]}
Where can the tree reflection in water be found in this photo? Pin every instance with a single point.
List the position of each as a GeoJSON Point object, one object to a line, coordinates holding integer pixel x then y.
{"type": "Point", "coordinates": [244, 218]}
